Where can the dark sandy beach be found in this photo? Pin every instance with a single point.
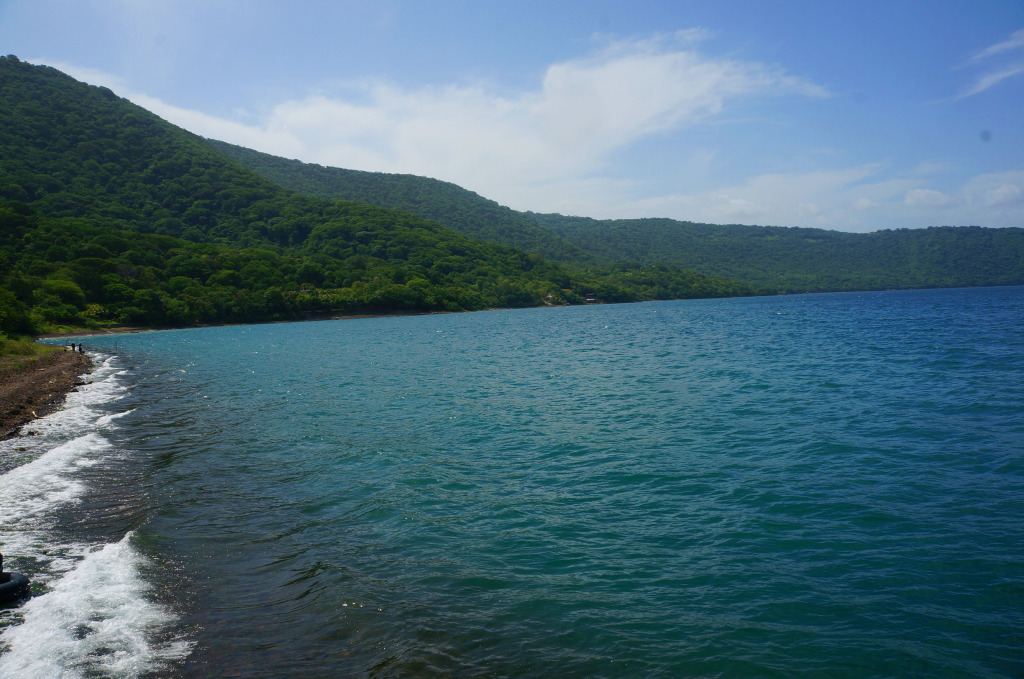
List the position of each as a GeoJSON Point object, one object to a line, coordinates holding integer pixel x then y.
{"type": "Point", "coordinates": [33, 389]}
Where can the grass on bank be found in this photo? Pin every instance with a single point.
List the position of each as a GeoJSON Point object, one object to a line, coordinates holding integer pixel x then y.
{"type": "Point", "coordinates": [19, 352]}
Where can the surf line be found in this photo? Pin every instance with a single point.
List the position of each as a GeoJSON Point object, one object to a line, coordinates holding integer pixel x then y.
{"type": "Point", "coordinates": [96, 614]}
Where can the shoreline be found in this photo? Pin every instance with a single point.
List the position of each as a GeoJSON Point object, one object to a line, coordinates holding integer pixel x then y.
{"type": "Point", "coordinates": [25, 394]}
{"type": "Point", "coordinates": [35, 389]}
{"type": "Point", "coordinates": [131, 330]}
{"type": "Point", "coordinates": [127, 330]}
{"type": "Point", "coordinates": [29, 392]}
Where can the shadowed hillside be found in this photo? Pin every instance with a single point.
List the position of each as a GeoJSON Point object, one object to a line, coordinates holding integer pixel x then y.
{"type": "Point", "coordinates": [774, 259]}
{"type": "Point", "coordinates": [457, 208]}
{"type": "Point", "coordinates": [111, 215]}
{"type": "Point", "coordinates": [781, 259]}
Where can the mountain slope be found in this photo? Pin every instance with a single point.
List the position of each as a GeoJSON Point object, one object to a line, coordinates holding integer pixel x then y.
{"type": "Point", "coordinates": [457, 208]}
{"type": "Point", "coordinates": [111, 215]}
{"type": "Point", "coordinates": [774, 259]}
{"type": "Point", "coordinates": [808, 260]}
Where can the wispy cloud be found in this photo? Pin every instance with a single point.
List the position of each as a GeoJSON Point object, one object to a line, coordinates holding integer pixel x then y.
{"type": "Point", "coordinates": [1015, 42]}
{"type": "Point", "coordinates": [929, 198]}
{"type": "Point", "coordinates": [1001, 69]}
{"type": "Point", "coordinates": [506, 145]}
{"type": "Point", "coordinates": [550, 148]}
{"type": "Point", "coordinates": [822, 198]}
{"type": "Point", "coordinates": [1004, 194]}
{"type": "Point", "coordinates": [859, 198]}
{"type": "Point", "coordinates": [1001, 192]}
{"type": "Point", "coordinates": [990, 79]}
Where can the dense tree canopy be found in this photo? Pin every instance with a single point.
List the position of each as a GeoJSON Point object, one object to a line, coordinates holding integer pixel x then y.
{"type": "Point", "coordinates": [109, 214]}
{"type": "Point", "coordinates": [773, 259]}
{"type": "Point", "coordinates": [780, 259]}
{"type": "Point", "coordinates": [464, 211]}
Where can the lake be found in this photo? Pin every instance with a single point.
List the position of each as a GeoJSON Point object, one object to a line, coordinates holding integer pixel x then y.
{"type": "Point", "coordinates": [796, 486]}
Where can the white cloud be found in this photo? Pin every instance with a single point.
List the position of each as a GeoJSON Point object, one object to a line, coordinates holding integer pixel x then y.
{"type": "Point", "coordinates": [1006, 194]}
{"type": "Point", "coordinates": [1002, 193]}
{"type": "Point", "coordinates": [818, 198]}
{"type": "Point", "coordinates": [504, 146]}
{"type": "Point", "coordinates": [860, 198]}
{"type": "Point", "coordinates": [927, 198]}
{"type": "Point", "coordinates": [990, 79]}
{"type": "Point", "coordinates": [1016, 41]}
{"type": "Point", "coordinates": [549, 148]}
{"type": "Point", "coordinates": [1000, 72]}
{"type": "Point", "coordinates": [583, 110]}
{"type": "Point", "coordinates": [609, 100]}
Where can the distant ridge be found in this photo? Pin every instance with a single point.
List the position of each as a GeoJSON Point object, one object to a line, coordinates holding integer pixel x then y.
{"type": "Point", "coordinates": [453, 206]}
{"type": "Point", "coordinates": [110, 215]}
{"type": "Point", "coordinates": [771, 258]}
{"type": "Point", "coordinates": [794, 259]}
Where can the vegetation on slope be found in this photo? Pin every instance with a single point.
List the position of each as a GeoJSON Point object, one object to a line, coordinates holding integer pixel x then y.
{"type": "Point", "coordinates": [457, 208]}
{"type": "Point", "coordinates": [774, 259]}
{"type": "Point", "coordinates": [780, 259]}
{"type": "Point", "coordinates": [112, 215]}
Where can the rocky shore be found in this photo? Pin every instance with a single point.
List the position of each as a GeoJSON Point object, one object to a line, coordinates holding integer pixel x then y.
{"type": "Point", "coordinates": [35, 388]}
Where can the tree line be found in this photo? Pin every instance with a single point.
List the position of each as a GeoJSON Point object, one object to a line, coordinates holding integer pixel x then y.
{"type": "Point", "coordinates": [111, 215]}
{"type": "Point", "coordinates": [772, 259]}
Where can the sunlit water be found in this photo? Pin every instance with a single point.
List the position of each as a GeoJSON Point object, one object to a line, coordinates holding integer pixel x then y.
{"type": "Point", "coordinates": [803, 486]}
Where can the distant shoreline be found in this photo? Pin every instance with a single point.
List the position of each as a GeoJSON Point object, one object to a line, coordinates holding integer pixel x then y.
{"type": "Point", "coordinates": [131, 330]}
{"type": "Point", "coordinates": [126, 330]}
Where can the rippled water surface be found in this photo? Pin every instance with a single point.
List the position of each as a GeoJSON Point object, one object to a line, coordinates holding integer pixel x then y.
{"type": "Point", "coordinates": [803, 486]}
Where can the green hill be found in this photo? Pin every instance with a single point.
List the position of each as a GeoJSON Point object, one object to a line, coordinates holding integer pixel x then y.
{"type": "Point", "coordinates": [780, 259]}
{"type": "Point", "coordinates": [457, 208]}
{"type": "Point", "coordinates": [109, 214]}
{"type": "Point", "coordinates": [773, 259]}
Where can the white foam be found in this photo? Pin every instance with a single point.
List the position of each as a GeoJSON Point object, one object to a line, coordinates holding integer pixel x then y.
{"type": "Point", "coordinates": [48, 481]}
{"type": "Point", "coordinates": [30, 492]}
{"type": "Point", "coordinates": [64, 442]}
{"type": "Point", "coordinates": [96, 620]}
{"type": "Point", "coordinates": [108, 419]}
{"type": "Point", "coordinates": [104, 385]}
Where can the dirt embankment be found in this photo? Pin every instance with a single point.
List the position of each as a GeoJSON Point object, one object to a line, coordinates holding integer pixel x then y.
{"type": "Point", "coordinates": [34, 388]}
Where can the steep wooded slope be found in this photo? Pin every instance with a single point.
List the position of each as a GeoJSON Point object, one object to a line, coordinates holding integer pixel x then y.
{"type": "Point", "coordinates": [111, 215]}
{"type": "Point", "coordinates": [808, 260]}
{"type": "Point", "coordinates": [457, 208]}
{"type": "Point", "coordinates": [774, 259]}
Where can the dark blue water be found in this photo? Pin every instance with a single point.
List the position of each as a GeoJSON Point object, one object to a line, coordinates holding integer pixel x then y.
{"type": "Point", "coordinates": [804, 486]}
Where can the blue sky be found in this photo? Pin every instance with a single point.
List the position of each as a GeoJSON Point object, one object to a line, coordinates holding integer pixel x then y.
{"type": "Point", "coordinates": [853, 116]}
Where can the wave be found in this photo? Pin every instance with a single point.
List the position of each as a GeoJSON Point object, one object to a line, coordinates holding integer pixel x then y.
{"type": "Point", "coordinates": [30, 492]}
{"type": "Point", "coordinates": [96, 618]}
{"type": "Point", "coordinates": [93, 621]}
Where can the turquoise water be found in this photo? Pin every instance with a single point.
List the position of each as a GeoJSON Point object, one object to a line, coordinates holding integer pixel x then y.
{"type": "Point", "coordinates": [802, 486]}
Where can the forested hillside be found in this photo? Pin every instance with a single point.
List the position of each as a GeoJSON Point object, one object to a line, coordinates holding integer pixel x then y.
{"type": "Point", "coordinates": [808, 260]}
{"type": "Point", "coordinates": [773, 259]}
{"type": "Point", "coordinates": [464, 211]}
{"type": "Point", "coordinates": [109, 214]}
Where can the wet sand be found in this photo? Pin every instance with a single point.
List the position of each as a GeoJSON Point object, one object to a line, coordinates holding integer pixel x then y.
{"type": "Point", "coordinates": [31, 389]}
